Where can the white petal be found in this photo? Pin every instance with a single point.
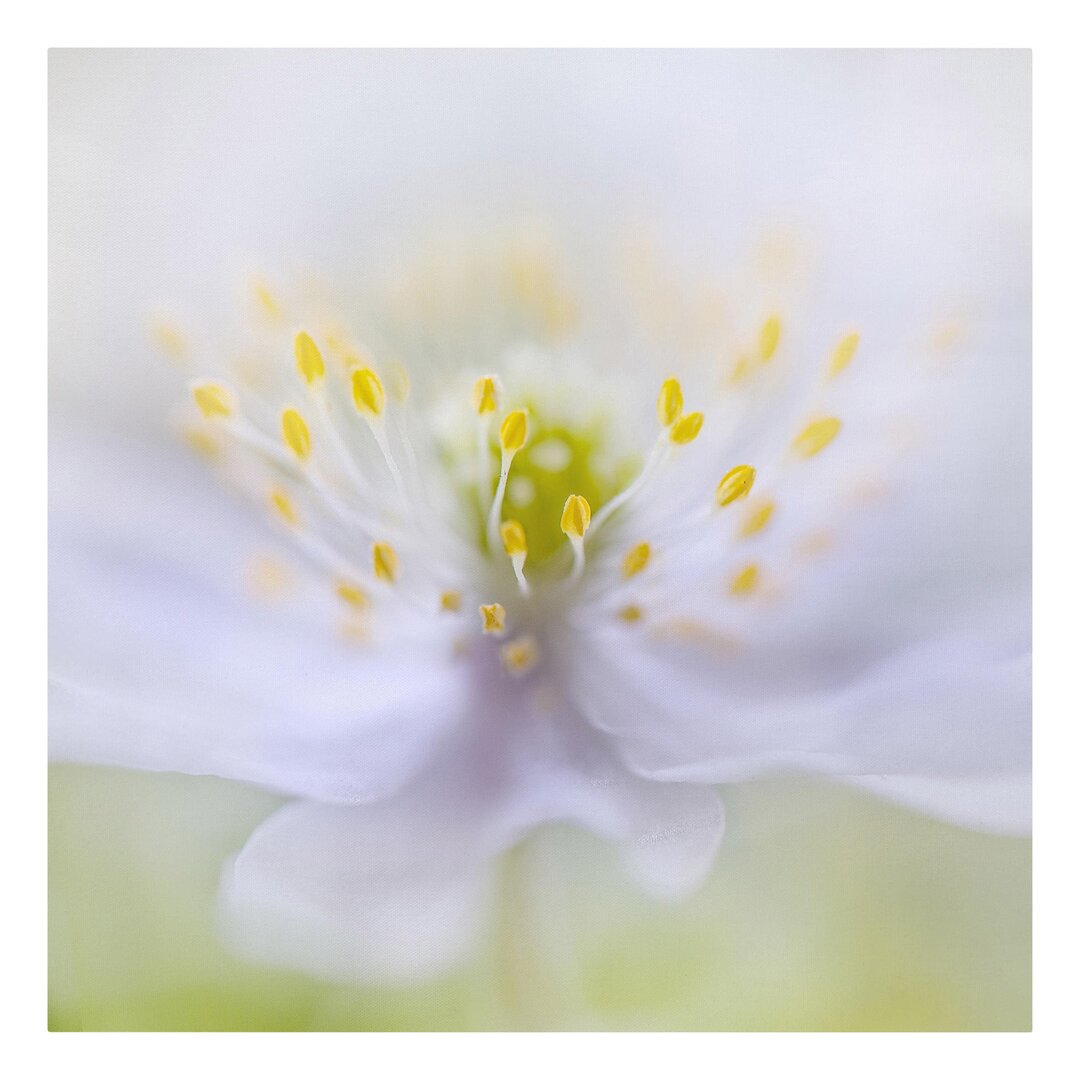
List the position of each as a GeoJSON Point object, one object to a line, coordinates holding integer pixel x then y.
{"type": "Point", "coordinates": [159, 660]}
{"type": "Point", "coordinates": [387, 893]}
{"type": "Point", "coordinates": [998, 804]}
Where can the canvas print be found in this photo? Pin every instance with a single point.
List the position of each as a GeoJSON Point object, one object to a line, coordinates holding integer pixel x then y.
{"type": "Point", "coordinates": [539, 540]}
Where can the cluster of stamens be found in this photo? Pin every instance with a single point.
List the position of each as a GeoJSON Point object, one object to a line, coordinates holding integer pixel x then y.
{"type": "Point", "coordinates": [503, 538]}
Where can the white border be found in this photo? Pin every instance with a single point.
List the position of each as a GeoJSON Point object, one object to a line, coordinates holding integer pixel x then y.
{"type": "Point", "coordinates": [1057, 245]}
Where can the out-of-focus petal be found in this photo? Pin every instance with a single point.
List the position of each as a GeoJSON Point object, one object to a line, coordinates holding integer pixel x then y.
{"type": "Point", "coordinates": [159, 659]}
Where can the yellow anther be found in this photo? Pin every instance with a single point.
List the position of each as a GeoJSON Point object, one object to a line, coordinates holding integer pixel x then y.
{"type": "Point", "coordinates": [630, 614]}
{"type": "Point", "coordinates": [576, 515]}
{"type": "Point", "coordinates": [520, 655]}
{"type": "Point", "coordinates": [283, 507]}
{"type": "Point", "coordinates": [636, 559]}
{"type": "Point", "coordinates": [757, 517]}
{"type": "Point", "coordinates": [745, 581]}
{"type": "Point", "coordinates": [295, 432]}
{"type": "Point", "coordinates": [450, 600]}
{"type": "Point", "coordinates": [815, 436]}
{"type": "Point", "coordinates": [670, 402]}
{"type": "Point", "coordinates": [267, 301]}
{"type": "Point", "coordinates": [494, 618]}
{"type": "Point", "coordinates": [769, 337]}
{"type": "Point", "coordinates": [309, 361]}
{"type": "Point", "coordinates": [170, 340]}
{"type": "Point", "coordinates": [687, 428]}
{"type": "Point", "coordinates": [843, 354]}
{"type": "Point", "coordinates": [485, 395]}
{"type": "Point", "coordinates": [352, 594]}
{"type": "Point", "coordinates": [736, 484]}
{"type": "Point", "coordinates": [213, 399]}
{"type": "Point", "coordinates": [513, 538]}
{"type": "Point", "coordinates": [513, 431]}
{"type": "Point", "coordinates": [397, 378]}
{"type": "Point", "coordinates": [368, 393]}
{"type": "Point", "coordinates": [385, 561]}
{"type": "Point", "coordinates": [203, 443]}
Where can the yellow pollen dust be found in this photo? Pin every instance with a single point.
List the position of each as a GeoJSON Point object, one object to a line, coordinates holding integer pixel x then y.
{"type": "Point", "coordinates": [745, 581]}
{"type": "Point", "coordinates": [669, 404]}
{"type": "Point", "coordinates": [385, 561]}
{"type": "Point", "coordinates": [757, 517]}
{"type": "Point", "coordinates": [687, 428]}
{"type": "Point", "coordinates": [309, 361]}
{"type": "Point", "coordinates": [295, 432]}
{"type": "Point", "coordinates": [513, 431]}
{"type": "Point", "coordinates": [736, 484]}
{"type": "Point", "coordinates": [450, 600]}
{"type": "Point", "coordinates": [576, 516]}
{"type": "Point", "coordinates": [520, 655]}
{"type": "Point", "coordinates": [212, 399]}
{"type": "Point", "coordinates": [368, 394]}
{"type": "Point", "coordinates": [493, 617]}
{"type": "Point", "coordinates": [485, 395]}
{"type": "Point", "coordinates": [352, 594]}
{"type": "Point", "coordinates": [513, 538]}
{"type": "Point", "coordinates": [769, 337]}
{"type": "Point", "coordinates": [843, 354]}
{"type": "Point", "coordinates": [636, 559]}
{"type": "Point", "coordinates": [283, 507]}
{"type": "Point", "coordinates": [630, 614]}
{"type": "Point", "coordinates": [815, 436]}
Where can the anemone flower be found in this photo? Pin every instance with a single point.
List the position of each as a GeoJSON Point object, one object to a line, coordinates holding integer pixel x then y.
{"type": "Point", "coordinates": [508, 537]}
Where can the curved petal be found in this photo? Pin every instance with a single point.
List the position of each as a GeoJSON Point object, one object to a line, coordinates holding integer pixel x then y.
{"type": "Point", "coordinates": [159, 660]}
{"type": "Point", "coordinates": [397, 891]}
{"type": "Point", "coordinates": [943, 709]}
{"type": "Point", "coordinates": [386, 893]}
{"type": "Point", "coordinates": [999, 804]}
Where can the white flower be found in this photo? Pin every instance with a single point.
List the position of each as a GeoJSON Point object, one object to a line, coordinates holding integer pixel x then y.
{"type": "Point", "coordinates": [548, 551]}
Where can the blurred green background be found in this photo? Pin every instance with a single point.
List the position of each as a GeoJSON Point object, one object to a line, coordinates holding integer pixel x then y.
{"type": "Point", "coordinates": [826, 910]}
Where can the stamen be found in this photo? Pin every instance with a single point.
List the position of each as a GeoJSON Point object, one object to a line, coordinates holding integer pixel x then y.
{"type": "Point", "coordinates": [309, 361]}
{"type": "Point", "coordinates": [370, 400]}
{"type": "Point", "coordinates": [669, 404]}
{"type": "Point", "coordinates": [398, 379]}
{"type": "Point", "coordinates": [295, 432]}
{"type": "Point", "coordinates": [385, 561]}
{"type": "Point", "coordinates": [485, 399]}
{"type": "Point", "coordinates": [513, 432]}
{"type": "Point", "coordinates": [283, 506]}
{"type": "Point", "coordinates": [816, 436]}
{"type": "Point", "coordinates": [745, 581]}
{"type": "Point", "coordinates": [352, 594]}
{"type": "Point", "coordinates": [769, 337]}
{"type": "Point", "coordinates": [517, 548]}
{"type": "Point", "coordinates": [494, 619]}
{"type": "Point", "coordinates": [521, 655]}
{"type": "Point", "coordinates": [576, 517]}
{"type": "Point", "coordinates": [687, 428]}
{"type": "Point", "coordinates": [170, 339]}
{"type": "Point", "coordinates": [630, 614]}
{"type": "Point", "coordinates": [267, 301]}
{"type": "Point", "coordinates": [485, 395]}
{"type": "Point", "coordinates": [757, 517]}
{"type": "Point", "coordinates": [843, 355]}
{"type": "Point", "coordinates": [213, 399]}
{"type": "Point", "coordinates": [636, 559]}
{"type": "Point", "coordinates": [368, 394]}
{"type": "Point", "coordinates": [736, 484]}
{"type": "Point", "coordinates": [450, 600]}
